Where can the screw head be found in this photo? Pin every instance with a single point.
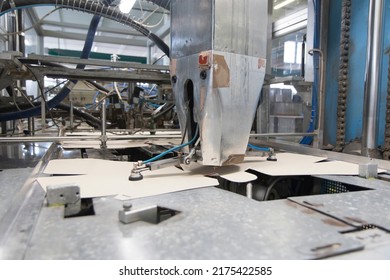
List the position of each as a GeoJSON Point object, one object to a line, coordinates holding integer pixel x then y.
{"type": "Point", "coordinates": [127, 205]}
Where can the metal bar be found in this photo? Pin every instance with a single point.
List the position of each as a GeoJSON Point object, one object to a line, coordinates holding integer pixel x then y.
{"type": "Point", "coordinates": [41, 89]}
{"type": "Point", "coordinates": [125, 137]}
{"type": "Point", "coordinates": [104, 125]}
{"type": "Point", "coordinates": [283, 134]}
{"type": "Point", "coordinates": [102, 75]}
{"type": "Point", "coordinates": [71, 116]}
{"type": "Point", "coordinates": [83, 138]}
{"type": "Point", "coordinates": [94, 62]}
{"type": "Point", "coordinates": [371, 86]}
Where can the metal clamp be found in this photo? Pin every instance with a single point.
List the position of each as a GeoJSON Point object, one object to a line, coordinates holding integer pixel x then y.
{"type": "Point", "coordinates": [66, 194]}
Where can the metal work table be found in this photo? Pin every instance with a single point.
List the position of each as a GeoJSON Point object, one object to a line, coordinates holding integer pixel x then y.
{"type": "Point", "coordinates": [212, 224]}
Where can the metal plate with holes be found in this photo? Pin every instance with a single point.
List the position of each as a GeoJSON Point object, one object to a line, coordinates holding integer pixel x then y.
{"type": "Point", "coordinates": [357, 181]}
{"type": "Point", "coordinates": [355, 208]}
{"type": "Point", "coordinates": [212, 224]}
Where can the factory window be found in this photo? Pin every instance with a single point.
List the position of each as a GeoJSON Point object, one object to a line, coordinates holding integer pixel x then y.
{"type": "Point", "coordinates": [284, 8]}
{"type": "Point", "coordinates": [289, 21]}
{"type": "Point", "coordinates": [287, 53]}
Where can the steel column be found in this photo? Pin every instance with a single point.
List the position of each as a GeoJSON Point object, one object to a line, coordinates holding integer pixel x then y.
{"type": "Point", "coordinates": [371, 88]}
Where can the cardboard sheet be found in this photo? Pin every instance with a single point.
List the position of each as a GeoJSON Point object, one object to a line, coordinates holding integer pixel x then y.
{"type": "Point", "coordinates": [104, 178]}
{"type": "Point", "coordinates": [289, 164]}
{"type": "Point", "coordinates": [92, 186]}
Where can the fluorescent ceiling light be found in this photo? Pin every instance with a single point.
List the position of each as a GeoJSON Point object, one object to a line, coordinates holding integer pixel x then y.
{"type": "Point", "coordinates": [281, 5]}
{"type": "Point", "coordinates": [126, 5]}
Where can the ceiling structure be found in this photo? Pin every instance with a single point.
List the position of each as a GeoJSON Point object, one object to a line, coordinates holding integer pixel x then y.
{"type": "Point", "coordinates": [67, 29]}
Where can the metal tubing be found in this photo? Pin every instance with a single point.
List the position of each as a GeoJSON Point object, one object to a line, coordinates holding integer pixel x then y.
{"type": "Point", "coordinates": [104, 123]}
{"type": "Point", "coordinates": [371, 87]}
{"type": "Point", "coordinates": [83, 138]}
{"type": "Point", "coordinates": [282, 134]}
{"type": "Point", "coordinates": [125, 137]}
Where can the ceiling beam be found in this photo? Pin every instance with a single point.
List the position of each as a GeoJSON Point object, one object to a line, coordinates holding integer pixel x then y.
{"type": "Point", "coordinates": [32, 15]}
{"type": "Point", "coordinates": [139, 42]}
{"type": "Point", "coordinates": [85, 27]}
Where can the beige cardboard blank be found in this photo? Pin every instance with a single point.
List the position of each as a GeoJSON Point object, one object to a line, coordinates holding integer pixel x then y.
{"type": "Point", "coordinates": [91, 186]}
{"type": "Point", "coordinates": [90, 166]}
{"type": "Point", "coordinates": [105, 178]}
{"type": "Point", "coordinates": [115, 181]}
{"type": "Point", "coordinates": [289, 164]}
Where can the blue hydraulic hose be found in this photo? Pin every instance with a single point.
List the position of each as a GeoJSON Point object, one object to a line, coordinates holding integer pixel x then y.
{"type": "Point", "coordinates": [262, 149]}
{"type": "Point", "coordinates": [65, 91]}
{"type": "Point", "coordinates": [174, 148]}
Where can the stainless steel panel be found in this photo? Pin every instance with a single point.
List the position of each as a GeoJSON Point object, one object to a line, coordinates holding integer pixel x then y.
{"type": "Point", "coordinates": [225, 114]}
{"type": "Point", "coordinates": [241, 27]}
{"type": "Point", "coordinates": [213, 224]}
{"type": "Point", "coordinates": [191, 27]}
{"type": "Point", "coordinates": [233, 34]}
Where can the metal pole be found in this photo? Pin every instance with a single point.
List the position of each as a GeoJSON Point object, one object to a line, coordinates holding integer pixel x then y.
{"type": "Point", "coordinates": [41, 87]}
{"type": "Point", "coordinates": [103, 140]}
{"type": "Point", "coordinates": [249, 190]}
{"type": "Point", "coordinates": [371, 86]}
{"type": "Point", "coordinates": [71, 115]}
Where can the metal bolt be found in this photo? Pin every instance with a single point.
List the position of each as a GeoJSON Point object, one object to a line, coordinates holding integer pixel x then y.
{"type": "Point", "coordinates": [203, 75]}
{"type": "Point", "coordinates": [127, 206]}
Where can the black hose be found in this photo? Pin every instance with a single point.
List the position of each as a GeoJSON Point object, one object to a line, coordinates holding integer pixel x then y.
{"type": "Point", "coordinates": [95, 122]}
{"type": "Point", "coordinates": [67, 88]}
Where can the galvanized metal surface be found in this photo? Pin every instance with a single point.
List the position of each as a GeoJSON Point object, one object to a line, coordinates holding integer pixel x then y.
{"type": "Point", "coordinates": [376, 245]}
{"type": "Point", "coordinates": [355, 208]}
{"type": "Point", "coordinates": [18, 222]}
{"type": "Point", "coordinates": [213, 224]}
{"type": "Point", "coordinates": [11, 181]}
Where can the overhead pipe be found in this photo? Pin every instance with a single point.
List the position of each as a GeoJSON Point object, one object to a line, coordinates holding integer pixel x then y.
{"type": "Point", "coordinates": [372, 78]}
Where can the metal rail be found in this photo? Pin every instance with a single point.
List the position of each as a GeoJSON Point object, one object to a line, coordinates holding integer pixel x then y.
{"type": "Point", "coordinates": [307, 150]}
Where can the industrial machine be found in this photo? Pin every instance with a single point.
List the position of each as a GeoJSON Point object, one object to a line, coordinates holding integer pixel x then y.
{"type": "Point", "coordinates": [246, 79]}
